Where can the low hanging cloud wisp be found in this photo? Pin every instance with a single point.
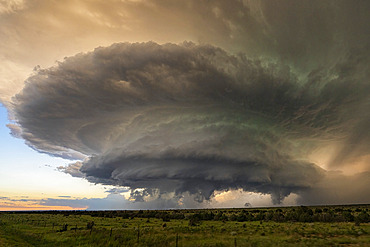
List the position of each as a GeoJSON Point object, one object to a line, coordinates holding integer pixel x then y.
{"type": "Point", "coordinates": [193, 119]}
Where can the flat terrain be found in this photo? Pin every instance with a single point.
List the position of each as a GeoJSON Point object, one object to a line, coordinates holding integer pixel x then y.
{"type": "Point", "coordinates": [293, 226]}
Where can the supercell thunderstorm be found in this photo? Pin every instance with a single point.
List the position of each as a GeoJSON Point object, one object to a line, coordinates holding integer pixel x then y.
{"type": "Point", "coordinates": [187, 118]}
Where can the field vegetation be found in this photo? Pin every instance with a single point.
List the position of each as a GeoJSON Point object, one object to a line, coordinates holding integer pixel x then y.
{"type": "Point", "coordinates": [290, 226]}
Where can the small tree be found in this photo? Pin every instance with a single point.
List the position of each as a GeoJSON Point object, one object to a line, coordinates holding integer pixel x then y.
{"type": "Point", "coordinates": [194, 220]}
{"type": "Point", "coordinates": [90, 225]}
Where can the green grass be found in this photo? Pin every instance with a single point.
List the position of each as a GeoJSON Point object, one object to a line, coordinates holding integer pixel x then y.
{"type": "Point", "coordinates": [42, 229]}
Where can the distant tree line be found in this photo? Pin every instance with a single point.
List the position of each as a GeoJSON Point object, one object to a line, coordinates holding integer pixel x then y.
{"type": "Point", "coordinates": [196, 216]}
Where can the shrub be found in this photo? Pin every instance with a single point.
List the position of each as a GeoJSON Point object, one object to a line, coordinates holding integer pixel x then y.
{"type": "Point", "coordinates": [363, 217]}
{"type": "Point", "coordinates": [90, 225]}
{"type": "Point", "coordinates": [194, 220]}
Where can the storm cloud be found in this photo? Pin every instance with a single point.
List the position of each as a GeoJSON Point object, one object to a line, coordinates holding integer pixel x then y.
{"type": "Point", "coordinates": [271, 98]}
{"type": "Point", "coordinates": [187, 118]}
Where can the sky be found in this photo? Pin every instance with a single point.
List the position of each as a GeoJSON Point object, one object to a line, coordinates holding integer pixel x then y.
{"type": "Point", "coordinates": [138, 104]}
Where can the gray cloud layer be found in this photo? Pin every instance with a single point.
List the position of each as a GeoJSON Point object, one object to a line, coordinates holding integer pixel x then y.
{"type": "Point", "coordinates": [193, 118]}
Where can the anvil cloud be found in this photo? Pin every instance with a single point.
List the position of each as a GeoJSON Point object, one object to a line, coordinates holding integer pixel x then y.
{"type": "Point", "coordinates": [191, 118]}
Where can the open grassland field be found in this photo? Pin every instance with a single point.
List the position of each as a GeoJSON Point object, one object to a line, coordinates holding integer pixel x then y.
{"type": "Point", "coordinates": [293, 226]}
